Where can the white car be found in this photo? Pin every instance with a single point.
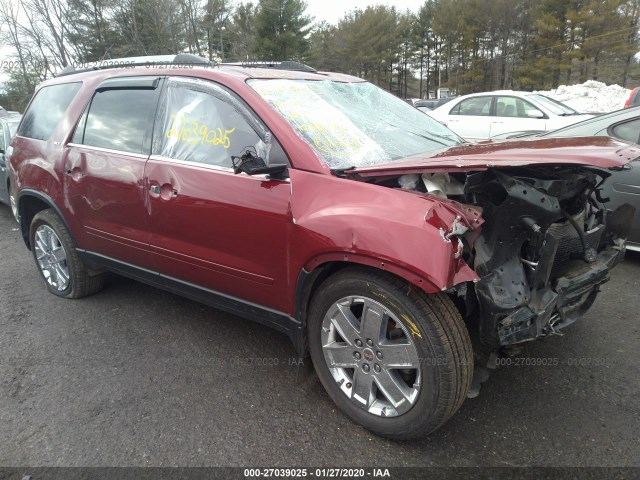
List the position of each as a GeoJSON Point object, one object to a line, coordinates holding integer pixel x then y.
{"type": "Point", "coordinates": [480, 116]}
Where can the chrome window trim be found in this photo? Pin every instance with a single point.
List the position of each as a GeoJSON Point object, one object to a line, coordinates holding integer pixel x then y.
{"type": "Point", "coordinates": [188, 162]}
{"type": "Point", "coordinates": [108, 150]}
{"type": "Point", "coordinates": [215, 168]}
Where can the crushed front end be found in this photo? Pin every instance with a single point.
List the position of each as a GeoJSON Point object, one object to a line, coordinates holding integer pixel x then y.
{"type": "Point", "coordinates": [544, 244]}
{"type": "Point", "coordinates": [547, 244]}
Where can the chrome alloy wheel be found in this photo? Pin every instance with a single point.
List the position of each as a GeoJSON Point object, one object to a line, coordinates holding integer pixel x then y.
{"type": "Point", "coordinates": [371, 356]}
{"type": "Point", "coordinates": [51, 257]}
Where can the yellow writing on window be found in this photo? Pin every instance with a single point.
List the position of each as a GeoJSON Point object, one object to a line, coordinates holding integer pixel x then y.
{"type": "Point", "coordinates": [194, 133]}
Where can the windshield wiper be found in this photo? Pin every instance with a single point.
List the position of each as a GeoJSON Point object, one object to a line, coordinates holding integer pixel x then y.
{"type": "Point", "coordinates": [340, 171]}
{"type": "Point", "coordinates": [432, 139]}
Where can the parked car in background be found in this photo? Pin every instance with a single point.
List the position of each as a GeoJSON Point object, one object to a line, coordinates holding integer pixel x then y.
{"type": "Point", "coordinates": [8, 128]}
{"type": "Point", "coordinates": [623, 186]}
{"type": "Point", "coordinates": [412, 101]}
{"type": "Point", "coordinates": [433, 103]}
{"type": "Point", "coordinates": [324, 207]}
{"type": "Point", "coordinates": [634, 98]}
{"type": "Point", "coordinates": [480, 116]}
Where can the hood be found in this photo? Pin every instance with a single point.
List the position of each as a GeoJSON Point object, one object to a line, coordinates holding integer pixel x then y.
{"type": "Point", "coordinates": [601, 152]}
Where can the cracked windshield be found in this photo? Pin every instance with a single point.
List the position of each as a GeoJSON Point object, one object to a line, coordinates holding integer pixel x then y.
{"type": "Point", "coordinates": [354, 124]}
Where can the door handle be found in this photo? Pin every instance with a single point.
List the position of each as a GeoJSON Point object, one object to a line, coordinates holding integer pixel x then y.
{"type": "Point", "coordinates": [75, 173]}
{"type": "Point", "coordinates": [165, 191]}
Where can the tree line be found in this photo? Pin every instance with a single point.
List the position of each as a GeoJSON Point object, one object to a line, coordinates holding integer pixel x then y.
{"type": "Point", "coordinates": [466, 45]}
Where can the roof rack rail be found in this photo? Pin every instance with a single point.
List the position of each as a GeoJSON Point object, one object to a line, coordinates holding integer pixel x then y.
{"type": "Point", "coordinates": [155, 60]}
{"type": "Point", "coordinates": [279, 65]}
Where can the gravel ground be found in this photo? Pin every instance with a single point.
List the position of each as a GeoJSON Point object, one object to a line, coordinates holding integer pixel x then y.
{"type": "Point", "coordinates": [134, 376]}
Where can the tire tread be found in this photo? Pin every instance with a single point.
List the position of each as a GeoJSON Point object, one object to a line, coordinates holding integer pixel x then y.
{"type": "Point", "coordinates": [447, 335]}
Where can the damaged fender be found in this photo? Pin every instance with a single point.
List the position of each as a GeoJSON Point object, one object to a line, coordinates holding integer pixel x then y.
{"type": "Point", "coordinates": [417, 237]}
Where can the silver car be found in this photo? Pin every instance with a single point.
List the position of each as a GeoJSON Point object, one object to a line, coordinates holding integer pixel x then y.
{"type": "Point", "coordinates": [8, 127]}
{"type": "Point", "coordinates": [622, 187]}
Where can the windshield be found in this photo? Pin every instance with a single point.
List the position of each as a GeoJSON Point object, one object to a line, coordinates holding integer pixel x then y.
{"type": "Point", "coordinates": [354, 124]}
{"type": "Point", "coordinates": [552, 105]}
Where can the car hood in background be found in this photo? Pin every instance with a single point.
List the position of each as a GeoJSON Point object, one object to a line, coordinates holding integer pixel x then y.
{"type": "Point", "coordinates": [602, 152]}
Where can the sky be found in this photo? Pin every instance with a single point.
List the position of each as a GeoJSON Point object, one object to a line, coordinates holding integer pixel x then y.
{"type": "Point", "coordinates": [333, 10]}
{"type": "Point", "coordinates": [329, 10]}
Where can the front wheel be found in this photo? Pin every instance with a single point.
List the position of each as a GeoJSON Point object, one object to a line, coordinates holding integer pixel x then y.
{"type": "Point", "coordinates": [395, 360]}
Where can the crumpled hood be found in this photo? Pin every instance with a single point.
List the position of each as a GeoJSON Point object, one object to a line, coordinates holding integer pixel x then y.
{"type": "Point", "coordinates": [601, 152]}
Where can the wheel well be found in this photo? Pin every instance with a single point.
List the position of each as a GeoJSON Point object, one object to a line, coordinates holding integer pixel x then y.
{"type": "Point", "coordinates": [28, 207]}
{"type": "Point", "coordinates": [308, 283]}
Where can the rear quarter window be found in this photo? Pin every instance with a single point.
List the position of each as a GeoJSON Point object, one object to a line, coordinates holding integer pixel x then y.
{"type": "Point", "coordinates": [47, 109]}
{"type": "Point", "coordinates": [629, 131]}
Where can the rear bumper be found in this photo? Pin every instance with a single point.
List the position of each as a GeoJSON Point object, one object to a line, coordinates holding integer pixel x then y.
{"type": "Point", "coordinates": [561, 303]}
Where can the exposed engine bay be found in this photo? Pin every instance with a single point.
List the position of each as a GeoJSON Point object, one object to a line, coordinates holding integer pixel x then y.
{"type": "Point", "coordinates": [546, 245]}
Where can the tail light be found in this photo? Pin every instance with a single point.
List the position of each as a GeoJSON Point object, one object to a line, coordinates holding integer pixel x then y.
{"type": "Point", "coordinates": [627, 104]}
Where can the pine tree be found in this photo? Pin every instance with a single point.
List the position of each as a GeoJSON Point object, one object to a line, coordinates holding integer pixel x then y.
{"type": "Point", "coordinates": [281, 30]}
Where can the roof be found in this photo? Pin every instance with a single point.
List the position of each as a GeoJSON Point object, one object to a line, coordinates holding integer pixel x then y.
{"type": "Point", "coordinates": [200, 67]}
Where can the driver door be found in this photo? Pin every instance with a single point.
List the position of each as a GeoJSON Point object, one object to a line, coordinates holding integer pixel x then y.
{"type": "Point", "coordinates": [514, 114]}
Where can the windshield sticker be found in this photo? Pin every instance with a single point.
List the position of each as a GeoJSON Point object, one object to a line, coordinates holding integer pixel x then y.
{"type": "Point", "coordinates": [193, 133]}
{"type": "Point", "coordinates": [202, 124]}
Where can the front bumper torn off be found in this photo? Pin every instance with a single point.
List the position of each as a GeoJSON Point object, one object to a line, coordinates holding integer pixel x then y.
{"type": "Point", "coordinates": [555, 306]}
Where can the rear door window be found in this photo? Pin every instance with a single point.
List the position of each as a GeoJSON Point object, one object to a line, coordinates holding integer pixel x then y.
{"type": "Point", "coordinates": [46, 110]}
{"type": "Point", "coordinates": [119, 119]}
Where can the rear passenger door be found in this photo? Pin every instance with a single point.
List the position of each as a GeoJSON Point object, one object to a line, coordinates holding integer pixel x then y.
{"type": "Point", "coordinates": [471, 118]}
{"type": "Point", "coordinates": [210, 227]}
{"type": "Point", "coordinates": [104, 168]}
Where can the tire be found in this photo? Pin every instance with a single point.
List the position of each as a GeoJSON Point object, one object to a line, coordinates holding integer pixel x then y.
{"type": "Point", "coordinates": [424, 332]}
{"type": "Point", "coordinates": [60, 266]}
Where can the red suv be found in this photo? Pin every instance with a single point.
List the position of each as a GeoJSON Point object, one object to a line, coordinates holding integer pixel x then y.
{"type": "Point", "coordinates": [388, 250]}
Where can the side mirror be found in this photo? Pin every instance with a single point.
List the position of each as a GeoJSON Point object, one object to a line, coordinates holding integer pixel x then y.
{"type": "Point", "coordinates": [253, 165]}
{"type": "Point", "coordinates": [535, 114]}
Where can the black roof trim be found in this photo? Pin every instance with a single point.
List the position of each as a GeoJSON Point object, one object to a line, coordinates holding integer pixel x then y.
{"type": "Point", "coordinates": [279, 65]}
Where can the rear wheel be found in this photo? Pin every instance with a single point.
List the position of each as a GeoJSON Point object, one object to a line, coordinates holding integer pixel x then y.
{"type": "Point", "coordinates": [394, 359]}
{"type": "Point", "coordinates": [62, 269]}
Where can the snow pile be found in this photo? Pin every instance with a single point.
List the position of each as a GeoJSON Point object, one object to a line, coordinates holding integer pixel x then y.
{"type": "Point", "coordinates": [591, 96]}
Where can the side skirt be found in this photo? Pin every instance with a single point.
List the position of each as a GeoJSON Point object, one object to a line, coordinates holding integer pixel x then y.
{"type": "Point", "coordinates": [272, 318]}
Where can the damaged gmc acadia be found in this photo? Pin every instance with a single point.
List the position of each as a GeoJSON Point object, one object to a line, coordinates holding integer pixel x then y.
{"type": "Point", "coordinates": [393, 254]}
